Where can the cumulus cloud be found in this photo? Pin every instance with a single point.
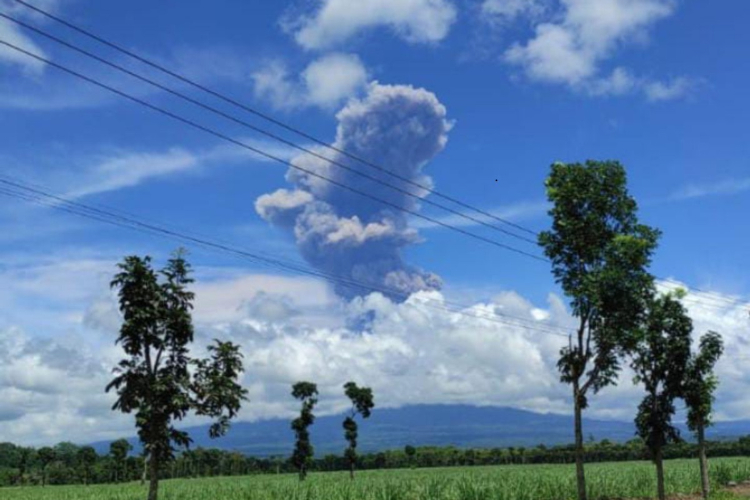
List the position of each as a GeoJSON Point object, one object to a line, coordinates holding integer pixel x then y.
{"type": "Point", "coordinates": [571, 47]}
{"type": "Point", "coordinates": [345, 234]}
{"type": "Point", "coordinates": [337, 21]}
{"type": "Point", "coordinates": [416, 351]}
{"type": "Point", "coordinates": [325, 83]}
{"type": "Point", "coordinates": [333, 78]}
{"type": "Point", "coordinates": [52, 390]}
{"type": "Point", "coordinates": [422, 350]}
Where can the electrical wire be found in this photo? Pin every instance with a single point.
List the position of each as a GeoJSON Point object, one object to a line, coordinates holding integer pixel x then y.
{"type": "Point", "coordinates": [265, 154]}
{"type": "Point", "coordinates": [19, 190]}
{"type": "Point", "coordinates": [259, 130]}
{"type": "Point", "coordinates": [707, 295]}
{"type": "Point", "coordinates": [265, 116]}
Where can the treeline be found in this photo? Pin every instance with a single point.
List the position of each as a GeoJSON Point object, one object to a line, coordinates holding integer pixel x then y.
{"type": "Point", "coordinates": [66, 463]}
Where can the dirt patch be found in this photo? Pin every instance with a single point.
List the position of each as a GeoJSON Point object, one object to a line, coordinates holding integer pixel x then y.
{"type": "Point", "coordinates": [669, 497]}
{"type": "Point", "coordinates": [741, 490]}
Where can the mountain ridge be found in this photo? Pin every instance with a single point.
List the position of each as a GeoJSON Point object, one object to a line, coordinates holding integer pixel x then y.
{"type": "Point", "coordinates": [462, 426]}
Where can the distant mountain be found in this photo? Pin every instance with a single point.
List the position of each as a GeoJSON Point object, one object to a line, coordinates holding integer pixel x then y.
{"type": "Point", "coordinates": [428, 425]}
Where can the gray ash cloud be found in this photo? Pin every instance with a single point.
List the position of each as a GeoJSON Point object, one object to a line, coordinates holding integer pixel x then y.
{"type": "Point", "coordinates": [341, 233]}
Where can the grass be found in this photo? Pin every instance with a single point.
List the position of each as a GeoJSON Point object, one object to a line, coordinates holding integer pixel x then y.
{"type": "Point", "coordinates": [532, 482]}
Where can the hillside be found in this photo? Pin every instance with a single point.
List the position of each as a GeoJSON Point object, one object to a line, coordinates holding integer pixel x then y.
{"type": "Point", "coordinates": [425, 425]}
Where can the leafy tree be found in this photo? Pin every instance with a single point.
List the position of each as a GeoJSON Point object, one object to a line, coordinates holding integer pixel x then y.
{"type": "Point", "coordinates": [700, 384]}
{"type": "Point", "coordinates": [362, 404]}
{"type": "Point", "coordinates": [307, 393]}
{"type": "Point", "coordinates": [155, 380]}
{"type": "Point", "coordinates": [66, 453]}
{"type": "Point", "coordinates": [660, 360]}
{"type": "Point", "coordinates": [87, 457]}
{"type": "Point", "coordinates": [410, 451]}
{"type": "Point", "coordinates": [119, 450]}
{"type": "Point", "coordinates": [599, 254]}
{"type": "Point", "coordinates": [25, 459]}
{"type": "Point", "coordinates": [46, 456]}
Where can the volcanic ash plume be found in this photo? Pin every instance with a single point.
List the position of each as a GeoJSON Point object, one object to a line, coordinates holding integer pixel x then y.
{"type": "Point", "coordinates": [344, 234]}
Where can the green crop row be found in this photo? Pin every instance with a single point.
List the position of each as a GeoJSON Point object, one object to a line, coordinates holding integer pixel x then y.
{"type": "Point", "coordinates": [532, 482]}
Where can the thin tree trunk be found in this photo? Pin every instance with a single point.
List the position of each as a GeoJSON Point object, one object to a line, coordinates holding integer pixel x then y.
{"type": "Point", "coordinates": [705, 482]}
{"type": "Point", "coordinates": [153, 487]}
{"type": "Point", "coordinates": [659, 461]}
{"type": "Point", "coordinates": [145, 469]}
{"type": "Point", "coordinates": [580, 475]}
{"type": "Point", "coordinates": [351, 471]}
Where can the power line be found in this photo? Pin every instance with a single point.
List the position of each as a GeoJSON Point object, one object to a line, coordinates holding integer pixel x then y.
{"type": "Point", "coordinates": [267, 117]}
{"type": "Point", "coordinates": [708, 294]}
{"type": "Point", "coordinates": [37, 195]}
{"type": "Point", "coordinates": [693, 290]}
{"type": "Point", "coordinates": [20, 190]}
{"type": "Point", "coordinates": [266, 154]}
{"type": "Point", "coordinates": [262, 131]}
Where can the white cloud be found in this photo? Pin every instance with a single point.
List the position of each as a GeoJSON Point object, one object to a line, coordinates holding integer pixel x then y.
{"type": "Point", "coordinates": [667, 91]}
{"type": "Point", "coordinates": [724, 187]}
{"type": "Point", "coordinates": [553, 55]}
{"type": "Point", "coordinates": [414, 352]}
{"type": "Point", "coordinates": [337, 21]}
{"type": "Point", "coordinates": [272, 82]}
{"type": "Point", "coordinates": [571, 47]}
{"type": "Point", "coordinates": [57, 390]}
{"type": "Point", "coordinates": [128, 170]}
{"type": "Point", "coordinates": [508, 10]}
{"type": "Point", "coordinates": [333, 78]}
{"type": "Point", "coordinates": [10, 33]}
{"type": "Point", "coordinates": [118, 168]}
{"type": "Point", "coordinates": [419, 351]}
{"type": "Point", "coordinates": [325, 83]}
{"type": "Point", "coordinates": [620, 82]}
{"type": "Point", "coordinates": [15, 35]}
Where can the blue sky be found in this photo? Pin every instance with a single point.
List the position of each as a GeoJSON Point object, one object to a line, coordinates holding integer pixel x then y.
{"type": "Point", "coordinates": [511, 85]}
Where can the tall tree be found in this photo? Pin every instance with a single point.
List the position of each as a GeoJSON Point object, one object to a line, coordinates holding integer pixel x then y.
{"type": "Point", "coordinates": [410, 451]}
{"type": "Point", "coordinates": [155, 380]}
{"type": "Point", "coordinates": [307, 393]}
{"type": "Point", "coordinates": [600, 254]}
{"type": "Point", "coordinates": [362, 404]}
{"type": "Point", "coordinates": [86, 457]}
{"type": "Point", "coordinates": [25, 458]}
{"type": "Point", "coordinates": [700, 385]}
{"type": "Point", "coordinates": [660, 362]}
{"type": "Point", "coordinates": [46, 456]}
{"type": "Point", "coordinates": [119, 450]}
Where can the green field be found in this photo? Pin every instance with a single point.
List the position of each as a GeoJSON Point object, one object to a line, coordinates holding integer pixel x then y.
{"type": "Point", "coordinates": [530, 482]}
